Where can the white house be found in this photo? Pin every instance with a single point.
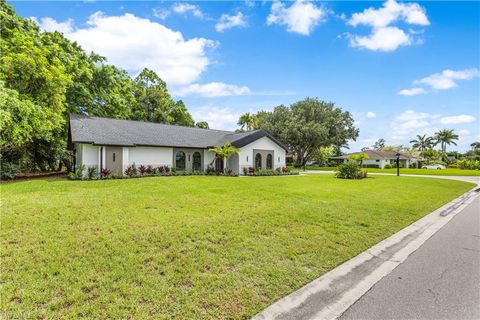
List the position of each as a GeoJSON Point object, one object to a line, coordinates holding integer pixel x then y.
{"type": "Point", "coordinates": [379, 159]}
{"type": "Point", "coordinates": [116, 144]}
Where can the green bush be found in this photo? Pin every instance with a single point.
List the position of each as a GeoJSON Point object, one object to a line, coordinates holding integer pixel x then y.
{"type": "Point", "coordinates": [350, 170]}
{"type": "Point", "coordinates": [388, 166]}
{"type": "Point", "coordinates": [469, 164]}
{"type": "Point", "coordinates": [8, 170]}
{"type": "Point", "coordinates": [92, 173]}
{"type": "Point", "coordinates": [78, 174]}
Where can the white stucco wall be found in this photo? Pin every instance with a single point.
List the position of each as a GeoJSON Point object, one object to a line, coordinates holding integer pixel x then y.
{"type": "Point", "coordinates": [154, 156]}
{"type": "Point", "coordinates": [233, 164]}
{"type": "Point", "coordinates": [207, 158]}
{"type": "Point", "coordinates": [125, 158]}
{"type": "Point", "coordinates": [264, 143]}
{"type": "Point", "coordinates": [380, 163]}
{"type": "Point", "coordinates": [90, 155]}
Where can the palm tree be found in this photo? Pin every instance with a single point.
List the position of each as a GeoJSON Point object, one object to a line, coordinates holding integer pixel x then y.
{"type": "Point", "coordinates": [422, 143]}
{"type": "Point", "coordinates": [430, 154]}
{"type": "Point", "coordinates": [224, 152]}
{"type": "Point", "coordinates": [445, 137]}
{"type": "Point", "coordinates": [248, 121]}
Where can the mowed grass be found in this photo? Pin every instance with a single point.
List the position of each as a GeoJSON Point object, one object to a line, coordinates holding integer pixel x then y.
{"type": "Point", "coordinates": [191, 247]}
{"type": "Point", "coordinates": [430, 172]}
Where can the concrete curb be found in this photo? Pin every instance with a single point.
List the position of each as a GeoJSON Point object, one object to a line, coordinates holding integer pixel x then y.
{"type": "Point", "coordinates": [330, 295]}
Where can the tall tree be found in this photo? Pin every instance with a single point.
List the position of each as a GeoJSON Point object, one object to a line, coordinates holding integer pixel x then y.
{"type": "Point", "coordinates": [475, 146]}
{"type": "Point", "coordinates": [422, 143]}
{"type": "Point", "coordinates": [45, 76]}
{"type": "Point", "coordinates": [153, 99]}
{"type": "Point", "coordinates": [445, 137]}
{"type": "Point", "coordinates": [22, 122]}
{"type": "Point", "coordinates": [248, 121]}
{"type": "Point", "coordinates": [379, 144]}
{"type": "Point", "coordinates": [154, 103]}
{"type": "Point", "coordinates": [178, 114]}
{"type": "Point", "coordinates": [308, 125]}
{"type": "Point", "coordinates": [30, 65]}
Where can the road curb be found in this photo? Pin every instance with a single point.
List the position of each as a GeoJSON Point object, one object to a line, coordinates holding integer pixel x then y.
{"type": "Point", "coordinates": [328, 296]}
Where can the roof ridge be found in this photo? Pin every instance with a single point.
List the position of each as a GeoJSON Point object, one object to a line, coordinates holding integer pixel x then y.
{"type": "Point", "coordinates": [147, 122]}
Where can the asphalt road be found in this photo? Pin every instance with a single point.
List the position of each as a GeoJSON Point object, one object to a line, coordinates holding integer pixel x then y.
{"type": "Point", "coordinates": [441, 280]}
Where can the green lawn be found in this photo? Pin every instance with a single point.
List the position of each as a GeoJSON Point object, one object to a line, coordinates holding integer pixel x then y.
{"type": "Point", "coordinates": [191, 247]}
{"type": "Point", "coordinates": [445, 172]}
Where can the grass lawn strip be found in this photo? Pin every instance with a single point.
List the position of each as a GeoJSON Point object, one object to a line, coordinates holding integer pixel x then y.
{"type": "Point", "coordinates": [191, 247]}
{"type": "Point", "coordinates": [445, 172]}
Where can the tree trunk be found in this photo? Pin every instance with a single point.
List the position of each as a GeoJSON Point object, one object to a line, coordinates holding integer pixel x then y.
{"type": "Point", "coordinates": [68, 166]}
{"type": "Point", "coordinates": [300, 158]}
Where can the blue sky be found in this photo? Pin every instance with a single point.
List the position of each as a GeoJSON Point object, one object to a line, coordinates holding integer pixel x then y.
{"type": "Point", "coordinates": [401, 68]}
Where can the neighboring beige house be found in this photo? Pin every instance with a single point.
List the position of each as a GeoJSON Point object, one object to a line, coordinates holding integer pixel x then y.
{"type": "Point", "coordinates": [381, 158]}
{"type": "Point", "coordinates": [116, 144]}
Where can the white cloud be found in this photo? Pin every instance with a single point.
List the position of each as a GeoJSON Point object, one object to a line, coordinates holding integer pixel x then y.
{"type": "Point", "coordinates": [301, 17]}
{"type": "Point", "coordinates": [227, 21]}
{"type": "Point", "coordinates": [446, 79]}
{"type": "Point", "coordinates": [412, 115]}
{"type": "Point", "coordinates": [212, 89]}
{"type": "Point", "coordinates": [133, 43]}
{"type": "Point", "coordinates": [412, 91]}
{"type": "Point", "coordinates": [461, 118]}
{"type": "Point", "coordinates": [411, 13]}
{"type": "Point", "coordinates": [221, 118]}
{"type": "Point", "coordinates": [384, 36]}
{"type": "Point", "coordinates": [382, 39]}
{"type": "Point", "coordinates": [362, 117]}
{"type": "Point", "coordinates": [161, 13]}
{"type": "Point", "coordinates": [250, 3]}
{"type": "Point", "coordinates": [183, 8]}
{"type": "Point", "coordinates": [50, 25]}
{"type": "Point", "coordinates": [410, 123]}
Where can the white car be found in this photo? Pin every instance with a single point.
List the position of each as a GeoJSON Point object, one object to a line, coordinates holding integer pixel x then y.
{"type": "Point", "coordinates": [434, 166]}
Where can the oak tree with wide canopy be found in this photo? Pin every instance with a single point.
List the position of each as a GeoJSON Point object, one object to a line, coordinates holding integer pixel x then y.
{"type": "Point", "coordinates": [307, 125]}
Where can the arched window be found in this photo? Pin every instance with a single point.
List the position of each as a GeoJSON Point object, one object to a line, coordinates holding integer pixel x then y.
{"type": "Point", "coordinates": [258, 161]}
{"type": "Point", "coordinates": [269, 161]}
{"type": "Point", "coordinates": [180, 160]}
{"type": "Point", "coordinates": [197, 161]}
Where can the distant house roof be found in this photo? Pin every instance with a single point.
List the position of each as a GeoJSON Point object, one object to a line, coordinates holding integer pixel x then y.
{"type": "Point", "coordinates": [376, 155]}
{"type": "Point", "coordinates": [117, 132]}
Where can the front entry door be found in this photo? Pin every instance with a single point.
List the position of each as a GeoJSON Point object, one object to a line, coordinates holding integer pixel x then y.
{"type": "Point", "coordinates": [219, 164]}
{"type": "Point", "coordinates": [113, 159]}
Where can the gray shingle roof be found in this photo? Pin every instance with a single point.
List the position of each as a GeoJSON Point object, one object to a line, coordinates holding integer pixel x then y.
{"type": "Point", "coordinates": [106, 131]}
